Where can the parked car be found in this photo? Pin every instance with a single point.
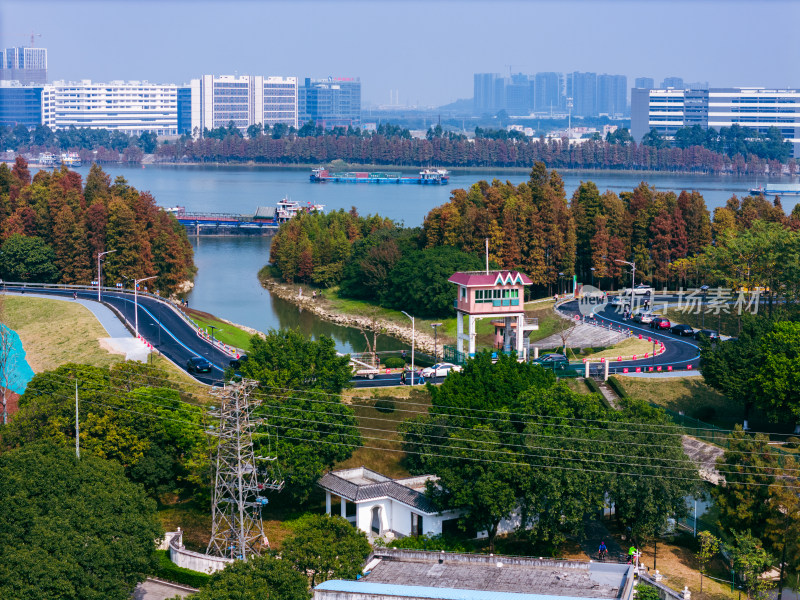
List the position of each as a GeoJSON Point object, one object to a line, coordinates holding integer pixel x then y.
{"type": "Point", "coordinates": [198, 364]}
{"type": "Point", "coordinates": [644, 318]}
{"type": "Point", "coordinates": [660, 323]}
{"type": "Point", "coordinates": [640, 290]}
{"type": "Point", "coordinates": [708, 333]}
{"type": "Point", "coordinates": [440, 370]}
{"type": "Point", "coordinates": [553, 360]}
{"type": "Point", "coordinates": [682, 330]}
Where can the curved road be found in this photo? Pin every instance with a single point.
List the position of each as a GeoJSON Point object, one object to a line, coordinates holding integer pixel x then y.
{"type": "Point", "coordinates": [164, 329]}
{"type": "Point", "coordinates": [680, 352]}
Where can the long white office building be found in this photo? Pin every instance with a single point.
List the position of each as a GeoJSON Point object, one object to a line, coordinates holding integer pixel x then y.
{"type": "Point", "coordinates": [668, 110]}
{"type": "Point", "coordinates": [246, 100]}
{"type": "Point", "coordinates": [133, 107]}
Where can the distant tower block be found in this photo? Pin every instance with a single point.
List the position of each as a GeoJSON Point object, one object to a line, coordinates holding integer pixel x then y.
{"type": "Point", "coordinates": [492, 294]}
{"type": "Point", "coordinates": [237, 530]}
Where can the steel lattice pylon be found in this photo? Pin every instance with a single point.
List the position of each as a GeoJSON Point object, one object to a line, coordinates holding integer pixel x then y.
{"type": "Point", "coordinates": [237, 529]}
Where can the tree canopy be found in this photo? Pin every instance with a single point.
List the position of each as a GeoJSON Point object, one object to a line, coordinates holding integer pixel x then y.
{"type": "Point", "coordinates": [260, 578]}
{"type": "Point", "coordinates": [71, 528]}
{"type": "Point", "coordinates": [326, 547]}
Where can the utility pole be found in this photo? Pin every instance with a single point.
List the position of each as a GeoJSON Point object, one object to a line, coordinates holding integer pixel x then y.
{"type": "Point", "coordinates": [237, 529]}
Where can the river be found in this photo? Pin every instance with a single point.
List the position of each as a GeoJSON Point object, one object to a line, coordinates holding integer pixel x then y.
{"type": "Point", "coordinates": [226, 282]}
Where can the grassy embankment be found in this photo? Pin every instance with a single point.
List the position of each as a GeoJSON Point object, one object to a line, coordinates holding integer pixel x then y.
{"type": "Point", "coordinates": [225, 332]}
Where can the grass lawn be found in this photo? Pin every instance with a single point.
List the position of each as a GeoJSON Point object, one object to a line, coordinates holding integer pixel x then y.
{"type": "Point", "coordinates": [224, 332]}
{"type": "Point", "coordinates": [688, 394]}
{"type": "Point", "coordinates": [370, 419]}
{"type": "Point", "coordinates": [626, 348]}
{"type": "Point", "coordinates": [54, 332]}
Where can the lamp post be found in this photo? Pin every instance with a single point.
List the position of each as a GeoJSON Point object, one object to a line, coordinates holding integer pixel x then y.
{"type": "Point", "coordinates": [99, 272]}
{"type": "Point", "coordinates": [212, 328]}
{"type": "Point", "coordinates": [435, 347]}
{"type": "Point", "coordinates": [592, 270]}
{"type": "Point", "coordinates": [136, 283]}
{"type": "Point", "coordinates": [560, 283]}
{"type": "Point", "coordinates": [633, 274]}
{"type": "Point", "coordinates": [413, 330]}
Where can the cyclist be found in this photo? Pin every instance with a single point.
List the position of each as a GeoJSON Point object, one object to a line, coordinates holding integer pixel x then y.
{"type": "Point", "coordinates": [602, 552]}
{"type": "Point", "coordinates": [631, 554]}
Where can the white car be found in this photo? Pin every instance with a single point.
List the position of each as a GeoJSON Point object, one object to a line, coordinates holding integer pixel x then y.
{"type": "Point", "coordinates": [440, 370]}
{"type": "Point", "coordinates": [642, 289]}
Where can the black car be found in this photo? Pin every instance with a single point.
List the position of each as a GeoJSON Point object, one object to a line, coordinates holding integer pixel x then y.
{"type": "Point", "coordinates": [552, 361]}
{"type": "Point", "coordinates": [198, 364]}
{"type": "Point", "coordinates": [236, 363]}
{"type": "Point", "coordinates": [708, 333]}
{"type": "Point", "coordinates": [682, 330]}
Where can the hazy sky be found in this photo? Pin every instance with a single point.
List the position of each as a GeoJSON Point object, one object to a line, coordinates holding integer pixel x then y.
{"type": "Point", "coordinates": [428, 51]}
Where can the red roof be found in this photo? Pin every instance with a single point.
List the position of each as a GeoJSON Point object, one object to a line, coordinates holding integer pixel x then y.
{"type": "Point", "coordinates": [494, 278]}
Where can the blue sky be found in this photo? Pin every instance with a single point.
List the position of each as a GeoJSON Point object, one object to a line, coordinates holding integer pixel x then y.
{"type": "Point", "coordinates": [427, 51]}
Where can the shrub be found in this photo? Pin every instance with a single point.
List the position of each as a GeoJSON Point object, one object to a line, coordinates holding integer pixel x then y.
{"type": "Point", "coordinates": [427, 542]}
{"type": "Point", "coordinates": [617, 386]}
{"type": "Point", "coordinates": [384, 405]}
{"type": "Point", "coordinates": [394, 362]}
{"type": "Point", "coordinates": [592, 385]}
{"type": "Point", "coordinates": [169, 571]}
{"type": "Point", "coordinates": [793, 443]}
{"type": "Point", "coordinates": [646, 592]}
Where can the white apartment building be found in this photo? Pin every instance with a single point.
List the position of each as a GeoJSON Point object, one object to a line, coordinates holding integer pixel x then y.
{"type": "Point", "coordinates": [668, 110]}
{"type": "Point", "coordinates": [133, 107]}
{"type": "Point", "coordinates": [246, 100]}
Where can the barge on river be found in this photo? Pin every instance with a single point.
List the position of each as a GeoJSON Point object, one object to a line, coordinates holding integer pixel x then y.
{"type": "Point", "coordinates": [425, 177]}
{"type": "Point", "coordinates": [264, 221]}
{"type": "Point", "coordinates": [790, 189]}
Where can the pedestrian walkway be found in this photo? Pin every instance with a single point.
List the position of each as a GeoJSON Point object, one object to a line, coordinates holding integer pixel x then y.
{"type": "Point", "coordinates": [583, 336]}
{"type": "Point", "coordinates": [596, 532]}
{"type": "Point", "coordinates": [705, 456]}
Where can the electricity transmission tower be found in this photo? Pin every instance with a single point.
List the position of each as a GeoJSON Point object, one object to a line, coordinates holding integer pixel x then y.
{"type": "Point", "coordinates": [237, 530]}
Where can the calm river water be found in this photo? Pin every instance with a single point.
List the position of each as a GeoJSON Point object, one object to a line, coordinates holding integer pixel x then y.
{"type": "Point", "coordinates": [226, 282]}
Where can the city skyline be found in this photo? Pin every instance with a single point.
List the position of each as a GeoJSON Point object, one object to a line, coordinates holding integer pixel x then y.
{"type": "Point", "coordinates": [429, 65]}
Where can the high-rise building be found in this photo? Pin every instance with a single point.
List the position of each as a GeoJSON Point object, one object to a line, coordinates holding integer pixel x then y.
{"type": "Point", "coordinates": [668, 110]}
{"type": "Point", "coordinates": [612, 95]}
{"type": "Point", "coordinates": [489, 94]}
{"type": "Point", "coordinates": [644, 83]}
{"type": "Point", "coordinates": [20, 105]}
{"type": "Point", "coordinates": [548, 92]}
{"type": "Point", "coordinates": [518, 95]}
{"type": "Point", "coordinates": [26, 65]}
{"type": "Point", "coordinates": [331, 102]}
{"type": "Point", "coordinates": [133, 107]}
{"type": "Point", "coordinates": [672, 82]}
{"type": "Point", "coordinates": [244, 100]}
{"type": "Point", "coordinates": [184, 110]}
{"type": "Point", "coordinates": [582, 88]}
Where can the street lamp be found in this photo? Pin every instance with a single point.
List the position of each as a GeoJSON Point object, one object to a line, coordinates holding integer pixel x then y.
{"type": "Point", "coordinates": [560, 283]}
{"type": "Point", "coordinates": [633, 274]}
{"type": "Point", "coordinates": [413, 332]}
{"type": "Point", "coordinates": [435, 353]}
{"type": "Point", "coordinates": [592, 270]}
{"type": "Point", "coordinates": [212, 328]}
{"type": "Point", "coordinates": [99, 275]}
{"type": "Point", "coordinates": [136, 283]}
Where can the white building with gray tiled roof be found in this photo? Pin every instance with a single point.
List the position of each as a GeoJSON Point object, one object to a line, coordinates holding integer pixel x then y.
{"type": "Point", "coordinates": [381, 506]}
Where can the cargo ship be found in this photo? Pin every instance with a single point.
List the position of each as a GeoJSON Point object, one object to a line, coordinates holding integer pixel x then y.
{"type": "Point", "coordinates": [791, 189]}
{"type": "Point", "coordinates": [425, 177]}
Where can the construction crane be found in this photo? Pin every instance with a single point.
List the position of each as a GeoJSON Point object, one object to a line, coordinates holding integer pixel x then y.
{"type": "Point", "coordinates": [33, 35]}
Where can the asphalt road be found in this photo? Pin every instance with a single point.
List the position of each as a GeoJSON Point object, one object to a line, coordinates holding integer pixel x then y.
{"type": "Point", "coordinates": [160, 325]}
{"type": "Point", "coordinates": [680, 352]}
{"type": "Point", "coordinates": [164, 329]}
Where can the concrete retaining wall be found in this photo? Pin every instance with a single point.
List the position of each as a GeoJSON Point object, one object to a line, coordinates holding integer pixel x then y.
{"type": "Point", "coordinates": [195, 561]}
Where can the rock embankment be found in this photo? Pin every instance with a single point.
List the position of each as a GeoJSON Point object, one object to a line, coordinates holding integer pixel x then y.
{"type": "Point", "coordinates": [424, 341]}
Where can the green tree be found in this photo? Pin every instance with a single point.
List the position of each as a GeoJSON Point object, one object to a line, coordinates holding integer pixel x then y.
{"type": "Point", "coordinates": [71, 528]}
{"type": "Point", "coordinates": [25, 259]}
{"type": "Point", "coordinates": [327, 548]}
{"type": "Point", "coordinates": [751, 560]}
{"type": "Point", "coordinates": [709, 546]}
{"type": "Point", "coordinates": [776, 381]}
{"type": "Point", "coordinates": [654, 139]}
{"type": "Point", "coordinates": [260, 578]}
{"type": "Point", "coordinates": [309, 426]}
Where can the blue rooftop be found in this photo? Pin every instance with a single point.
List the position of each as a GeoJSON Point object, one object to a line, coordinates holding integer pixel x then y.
{"type": "Point", "coordinates": [437, 593]}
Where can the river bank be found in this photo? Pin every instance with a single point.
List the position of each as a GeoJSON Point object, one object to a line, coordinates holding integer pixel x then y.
{"type": "Point", "coordinates": [301, 296]}
{"type": "Point", "coordinates": [456, 169]}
